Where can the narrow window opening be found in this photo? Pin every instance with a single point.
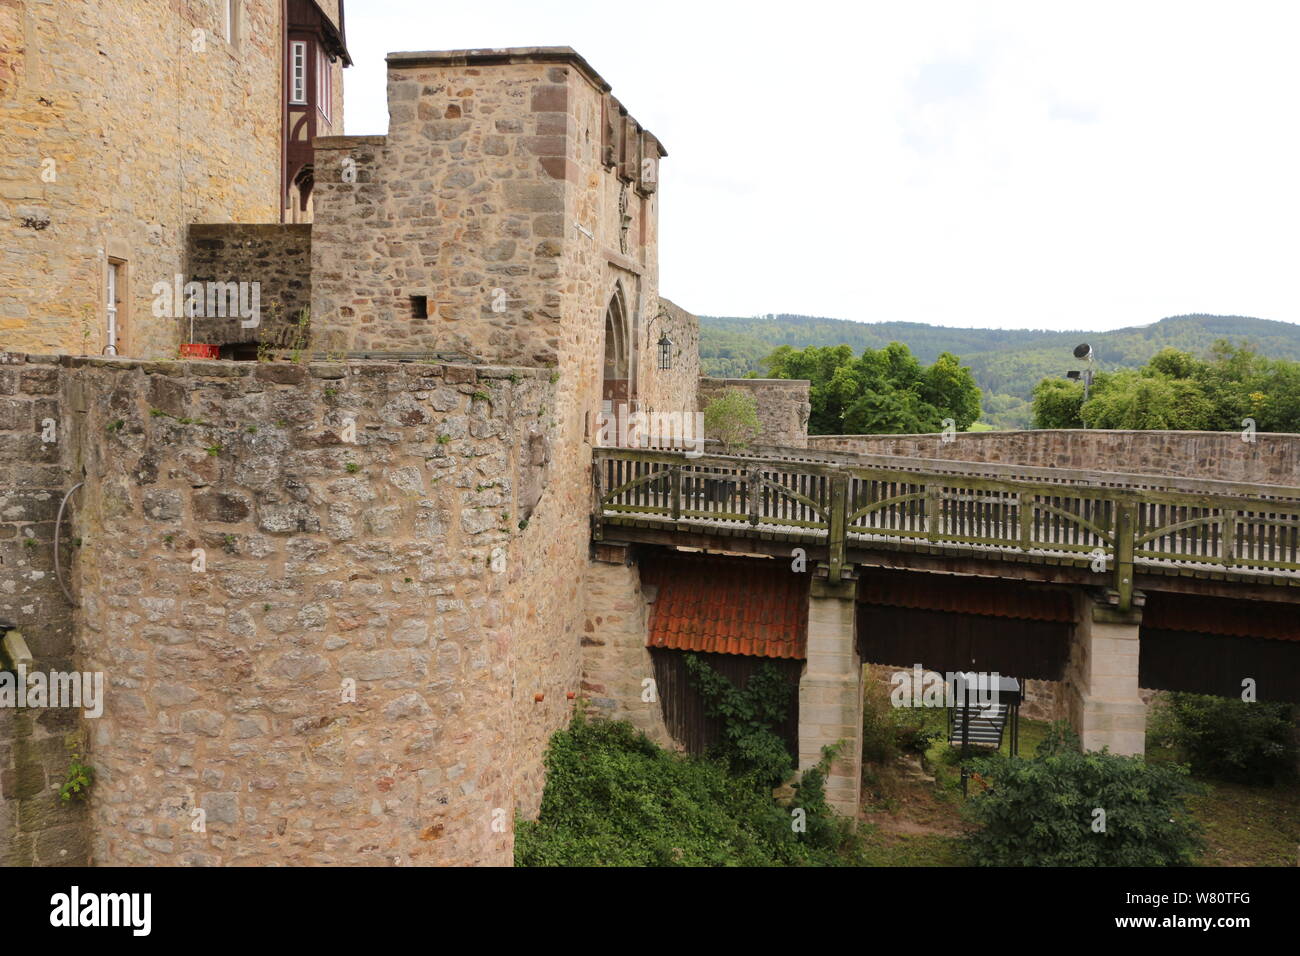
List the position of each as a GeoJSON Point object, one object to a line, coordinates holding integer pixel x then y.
{"type": "Point", "coordinates": [112, 311]}
{"type": "Point", "coordinates": [419, 306]}
{"type": "Point", "coordinates": [232, 22]}
{"type": "Point", "coordinates": [298, 72]}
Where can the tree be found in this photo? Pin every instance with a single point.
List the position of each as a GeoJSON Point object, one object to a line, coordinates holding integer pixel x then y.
{"type": "Point", "coordinates": [1057, 402]}
{"type": "Point", "coordinates": [882, 391]}
{"type": "Point", "coordinates": [1176, 390]}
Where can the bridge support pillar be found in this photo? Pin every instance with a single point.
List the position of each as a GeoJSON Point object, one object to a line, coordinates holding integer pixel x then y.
{"type": "Point", "coordinates": [830, 692]}
{"type": "Point", "coordinates": [1101, 679]}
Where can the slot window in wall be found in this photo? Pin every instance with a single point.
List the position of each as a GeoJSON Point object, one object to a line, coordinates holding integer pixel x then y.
{"type": "Point", "coordinates": [112, 311]}
{"type": "Point", "coordinates": [232, 21]}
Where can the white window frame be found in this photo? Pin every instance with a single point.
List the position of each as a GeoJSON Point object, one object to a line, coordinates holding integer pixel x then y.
{"type": "Point", "coordinates": [230, 21]}
{"type": "Point", "coordinates": [114, 277]}
{"type": "Point", "coordinates": [298, 72]}
{"type": "Point", "coordinates": [324, 85]}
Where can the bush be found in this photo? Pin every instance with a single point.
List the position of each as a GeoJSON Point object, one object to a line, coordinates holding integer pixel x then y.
{"type": "Point", "coordinates": [1228, 739]}
{"type": "Point", "coordinates": [889, 731]}
{"type": "Point", "coordinates": [614, 798]}
{"type": "Point", "coordinates": [749, 744]}
{"type": "Point", "coordinates": [1042, 811]}
{"type": "Point", "coordinates": [732, 418]}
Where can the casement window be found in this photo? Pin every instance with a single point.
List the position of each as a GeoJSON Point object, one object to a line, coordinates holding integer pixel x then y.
{"type": "Point", "coordinates": [324, 84]}
{"type": "Point", "coordinates": [298, 72]}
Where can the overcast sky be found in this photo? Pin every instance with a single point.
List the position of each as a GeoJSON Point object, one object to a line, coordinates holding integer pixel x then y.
{"type": "Point", "coordinates": [1019, 165]}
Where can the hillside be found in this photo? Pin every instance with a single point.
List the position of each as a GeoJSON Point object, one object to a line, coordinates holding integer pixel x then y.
{"type": "Point", "coordinates": [1007, 363]}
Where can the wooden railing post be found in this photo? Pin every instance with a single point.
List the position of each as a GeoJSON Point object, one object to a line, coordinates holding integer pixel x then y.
{"type": "Point", "coordinates": [1229, 538]}
{"type": "Point", "coordinates": [933, 505]}
{"type": "Point", "coordinates": [676, 479]}
{"type": "Point", "coordinates": [837, 539]}
{"type": "Point", "coordinates": [1026, 519]}
{"type": "Point", "coordinates": [1125, 533]}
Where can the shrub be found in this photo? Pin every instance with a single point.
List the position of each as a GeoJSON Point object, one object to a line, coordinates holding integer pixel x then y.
{"type": "Point", "coordinates": [749, 744]}
{"type": "Point", "coordinates": [889, 731]}
{"type": "Point", "coordinates": [614, 798]}
{"type": "Point", "coordinates": [1228, 739]}
{"type": "Point", "coordinates": [1043, 811]}
{"type": "Point", "coordinates": [732, 418]}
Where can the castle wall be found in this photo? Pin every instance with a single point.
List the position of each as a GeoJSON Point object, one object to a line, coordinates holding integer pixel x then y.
{"type": "Point", "coordinates": [276, 255]}
{"type": "Point", "coordinates": [782, 406]}
{"type": "Point", "coordinates": [145, 134]}
{"type": "Point", "coordinates": [36, 744]}
{"type": "Point", "coordinates": [396, 562]}
{"type": "Point", "coordinates": [1269, 458]}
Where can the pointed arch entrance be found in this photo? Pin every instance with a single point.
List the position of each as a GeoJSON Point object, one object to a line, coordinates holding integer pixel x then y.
{"type": "Point", "coordinates": [617, 378]}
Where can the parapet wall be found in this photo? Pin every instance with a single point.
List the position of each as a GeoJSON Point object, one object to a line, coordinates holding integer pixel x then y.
{"type": "Point", "coordinates": [1269, 458]}
{"type": "Point", "coordinates": [782, 404]}
{"type": "Point", "coordinates": [337, 607]}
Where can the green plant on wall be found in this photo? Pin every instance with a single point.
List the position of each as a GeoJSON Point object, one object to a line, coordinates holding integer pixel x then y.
{"type": "Point", "coordinates": [732, 418]}
{"type": "Point", "coordinates": [77, 781]}
{"type": "Point", "coordinates": [749, 742]}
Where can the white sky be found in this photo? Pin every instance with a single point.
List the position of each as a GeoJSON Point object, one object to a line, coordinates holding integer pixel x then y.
{"type": "Point", "coordinates": [1020, 165]}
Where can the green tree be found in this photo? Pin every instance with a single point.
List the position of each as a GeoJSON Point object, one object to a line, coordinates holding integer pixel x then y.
{"type": "Point", "coordinates": [1179, 391]}
{"type": "Point", "coordinates": [882, 391]}
{"type": "Point", "coordinates": [1057, 402]}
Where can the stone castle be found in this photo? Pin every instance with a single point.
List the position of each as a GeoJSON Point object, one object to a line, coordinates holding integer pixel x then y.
{"type": "Point", "coordinates": [302, 450]}
{"type": "Point", "coordinates": [393, 534]}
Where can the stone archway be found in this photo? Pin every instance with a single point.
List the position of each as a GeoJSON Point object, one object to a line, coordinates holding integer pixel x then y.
{"type": "Point", "coordinates": [617, 378]}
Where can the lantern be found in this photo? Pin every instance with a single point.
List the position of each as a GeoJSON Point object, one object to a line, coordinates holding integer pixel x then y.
{"type": "Point", "coordinates": [665, 351]}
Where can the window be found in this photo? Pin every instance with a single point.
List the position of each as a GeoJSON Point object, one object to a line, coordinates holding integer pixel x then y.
{"type": "Point", "coordinates": [419, 306]}
{"type": "Point", "coordinates": [298, 72]}
{"type": "Point", "coordinates": [231, 20]}
{"type": "Point", "coordinates": [110, 307]}
{"type": "Point", "coordinates": [324, 86]}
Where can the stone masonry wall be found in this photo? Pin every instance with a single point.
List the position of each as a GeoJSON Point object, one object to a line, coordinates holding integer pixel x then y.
{"type": "Point", "coordinates": [783, 406]}
{"type": "Point", "coordinates": [36, 827]}
{"type": "Point", "coordinates": [393, 562]}
{"type": "Point", "coordinates": [146, 134]}
{"type": "Point", "coordinates": [1270, 458]}
{"type": "Point", "coordinates": [676, 389]}
{"type": "Point", "coordinates": [277, 256]}
{"type": "Point", "coordinates": [615, 659]}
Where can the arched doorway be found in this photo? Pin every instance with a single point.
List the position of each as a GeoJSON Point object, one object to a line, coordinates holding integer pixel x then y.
{"type": "Point", "coordinates": [615, 386]}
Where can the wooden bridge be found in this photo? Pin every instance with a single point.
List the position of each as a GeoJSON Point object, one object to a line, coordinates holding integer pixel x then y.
{"type": "Point", "coordinates": [1111, 546]}
{"type": "Point", "coordinates": [1093, 527]}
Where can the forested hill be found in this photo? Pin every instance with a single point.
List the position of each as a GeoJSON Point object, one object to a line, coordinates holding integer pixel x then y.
{"type": "Point", "coordinates": [1007, 363]}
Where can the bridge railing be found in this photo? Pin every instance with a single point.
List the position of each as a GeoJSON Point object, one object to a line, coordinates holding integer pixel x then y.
{"type": "Point", "coordinates": [1114, 522]}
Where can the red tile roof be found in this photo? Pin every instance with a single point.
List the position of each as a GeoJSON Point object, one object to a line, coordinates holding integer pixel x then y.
{"type": "Point", "coordinates": [966, 595]}
{"type": "Point", "coordinates": [723, 605]}
{"type": "Point", "coordinates": [1230, 617]}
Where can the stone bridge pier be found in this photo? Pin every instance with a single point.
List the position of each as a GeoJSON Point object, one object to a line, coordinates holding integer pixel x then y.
{"type": "Point", "coordinates": [1101, 678]}
{"type": "Point", "coordinates": [830, 691]}
{"type": "Point", "coordinates": [1102, 699]}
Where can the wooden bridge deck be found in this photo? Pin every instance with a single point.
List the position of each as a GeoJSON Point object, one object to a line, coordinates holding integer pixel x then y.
{"type": "Point", "coordinates": [1104, 525]}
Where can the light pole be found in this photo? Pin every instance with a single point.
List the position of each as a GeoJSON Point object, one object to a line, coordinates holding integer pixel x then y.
{"type": "Point", "coordinates": [1084, 352]}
